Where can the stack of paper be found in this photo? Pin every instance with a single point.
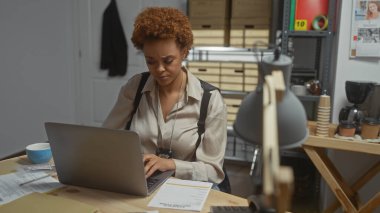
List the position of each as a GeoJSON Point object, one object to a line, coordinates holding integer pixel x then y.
{"type": "Point", "coordinates": [18, 184]}
{"type": "Point", "coordinates": [181, 194]}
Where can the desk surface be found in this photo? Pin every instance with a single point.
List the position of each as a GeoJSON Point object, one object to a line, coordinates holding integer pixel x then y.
{"type": "Point", "coordinates": [345, 145]}
{"type": "Point", "coordinates": [114, 202]}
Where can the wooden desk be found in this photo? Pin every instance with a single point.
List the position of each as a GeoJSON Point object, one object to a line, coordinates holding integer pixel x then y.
{"type": "Point", "coordinates": [316, 148]}
{"type": "Point", "coordinates": [114, 202]}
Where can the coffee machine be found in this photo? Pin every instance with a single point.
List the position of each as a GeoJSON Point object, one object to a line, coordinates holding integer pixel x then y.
{"type": "Point", "coordinates": [356, 92]}
{"type": "Point", "coordinates": [372, 103]}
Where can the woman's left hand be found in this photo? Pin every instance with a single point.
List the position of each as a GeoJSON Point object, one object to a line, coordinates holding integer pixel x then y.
{"type": "Point", "coordinates": [153, 163]}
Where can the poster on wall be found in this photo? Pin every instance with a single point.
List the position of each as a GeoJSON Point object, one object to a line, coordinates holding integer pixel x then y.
{"type": "Point", "coordinates": [365, 29]}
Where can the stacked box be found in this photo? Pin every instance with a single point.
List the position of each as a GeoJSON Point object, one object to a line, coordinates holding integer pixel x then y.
{"type": "Point", "coordinates": [208, 9]}
{"type": "Point", "coordinates": [232, 76]}
{"type": "Point", "coordinates": [250, 23]}
{"type": "Point", "coordinates": [251, 76]}
{"type": "Point", "coordinates": [210, 22]}
{"type": "Point", "coordinates": [233, 105]}
{"type": "Point", "coordinates": [207, 71]}
{"type": "Point", "coordinates": [250, 8]}
{"type": "Point", "coordinates": [238, 76]}
{"type": "Point", "coordinates": [210, 36]}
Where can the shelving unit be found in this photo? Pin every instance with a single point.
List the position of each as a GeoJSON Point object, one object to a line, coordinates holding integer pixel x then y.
{"type": "Point", "coordinates": [211, 62]}
{"type": "Point", "coordinates": [323, 47]}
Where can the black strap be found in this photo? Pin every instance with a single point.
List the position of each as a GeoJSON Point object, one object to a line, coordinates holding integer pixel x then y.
{"type": "Point", "coordinates": [136, 102]}
{"type": "Point", "coordinates": [207, 88]}
{"type": "Point", "coordinates": [224, 186]}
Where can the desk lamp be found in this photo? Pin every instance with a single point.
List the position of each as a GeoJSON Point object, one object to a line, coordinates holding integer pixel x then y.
{"type": "Point", "coordinates": [272, 117]}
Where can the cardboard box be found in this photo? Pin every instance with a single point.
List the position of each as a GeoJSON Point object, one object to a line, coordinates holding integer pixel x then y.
{"type": "Point", "coordinates": [231, 86]}
{"type": "Point", "coordinates": [208, 8]}
{"type": "Point", "coordinates": [207, 71]}
{"type": "Point", "coordinates": [214, 80]}
{"type": "Point", "coordinates": [205, 42]}
{"type": "Point", "coordinates": [204, 67]}
{"type": "Point", "coordinates": [232, 79]}
{"type": "Point", "coordinates": [232, 69]}
{"type": "Point", "coordinates": [249, 88]}
{"type": "Point", "coordinates": [226, 75]}
{"type": "Point", "coordinates": [211, 37]}
{"type": "Point", "coordinates": [209, 23]}
{"type": "Point", "coordinates": [250, 23]}
{"type": "Point", "coordinates": [251, 76]}
{"type": "Point", "coordinates": [251, 69]}
{"type": "Point", "coordinates": [251, 8]}
{"type": "Point", "coordinates": [233, 105]}
{"type": "Point", "coordinates": [249, 33]}
{"type": "Point", "coordinates": [249, 38]}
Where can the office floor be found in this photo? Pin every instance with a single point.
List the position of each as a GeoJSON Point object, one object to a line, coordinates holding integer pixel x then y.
{"type": "Point", "coordinates": [304, 200]}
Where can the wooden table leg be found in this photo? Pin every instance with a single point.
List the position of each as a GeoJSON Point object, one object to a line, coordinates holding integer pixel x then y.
{"type": "Point", "coordinates": [361, 181]}
{"type": "Point", "coordinates": [332, 177]}
{"type": "Point", "coordinates": [371, 205]}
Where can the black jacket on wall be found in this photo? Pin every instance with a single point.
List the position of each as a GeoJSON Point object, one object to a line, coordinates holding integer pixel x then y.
{"type": "Point", "coordinates": [114, 47]}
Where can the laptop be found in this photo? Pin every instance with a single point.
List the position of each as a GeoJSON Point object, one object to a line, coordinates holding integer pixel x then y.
{"type": "Point", "coordinates": [101, 158]}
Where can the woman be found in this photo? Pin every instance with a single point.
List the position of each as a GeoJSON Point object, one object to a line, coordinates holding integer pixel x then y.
{"type": "Point", "coordinates": [166, 118]}
{"type": "Point", "coordinates": [373, 10]}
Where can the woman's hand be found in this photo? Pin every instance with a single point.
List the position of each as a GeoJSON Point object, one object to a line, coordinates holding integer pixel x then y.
{"type": "Point", "coordinates": [153, 163]}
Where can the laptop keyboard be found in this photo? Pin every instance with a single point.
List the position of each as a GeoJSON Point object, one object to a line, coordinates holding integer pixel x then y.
{"type": "Point", "coordinates": [157, 179]}
{"type": "Point", "coordinates": [151, 181]}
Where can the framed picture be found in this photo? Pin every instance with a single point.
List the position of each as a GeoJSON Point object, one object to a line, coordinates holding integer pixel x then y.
{"type": "Point", "coordinates": [365, 29]}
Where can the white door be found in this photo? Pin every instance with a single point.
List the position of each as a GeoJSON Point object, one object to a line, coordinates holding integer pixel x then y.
{"type": "Point", "coordinates": [97, 92]}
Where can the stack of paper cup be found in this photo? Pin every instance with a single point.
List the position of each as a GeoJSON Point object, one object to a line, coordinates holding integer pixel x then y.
{"type": "Point", "coordinates": [323, 118]}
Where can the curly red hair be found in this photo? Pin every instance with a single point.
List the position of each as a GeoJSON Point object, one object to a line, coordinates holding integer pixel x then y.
{"type": "Point", "coordinates": [156, 23]}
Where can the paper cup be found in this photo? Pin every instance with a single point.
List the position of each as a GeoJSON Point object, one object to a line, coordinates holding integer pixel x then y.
{"type": "Point", "coordinates": [324, 101]}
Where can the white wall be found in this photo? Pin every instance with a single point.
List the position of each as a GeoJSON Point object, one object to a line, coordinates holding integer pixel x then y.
{"type": "Point", "coordinates": [37, 70]}
{"type": "Point", "coordinates": [356, 69]}
{"type": "Point", "coordinates": [41, 69]}
{"type": "Point", "coordinates": [351, 165]}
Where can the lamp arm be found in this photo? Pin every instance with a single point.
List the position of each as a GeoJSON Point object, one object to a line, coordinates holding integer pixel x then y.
{"type": "Point", "coordinates": [278, 181]}
{"type": "Point", "coordinates": [271, 161]}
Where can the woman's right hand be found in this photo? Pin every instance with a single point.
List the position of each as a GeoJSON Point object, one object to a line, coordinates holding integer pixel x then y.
{"type": "Point", "coordinates": [153, 163]}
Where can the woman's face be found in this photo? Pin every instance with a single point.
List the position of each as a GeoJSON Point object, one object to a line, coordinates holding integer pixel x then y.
{"type": "Point", "coordinates": [372, 7]}
{"type": "Point", "coordinates": [163, 58]}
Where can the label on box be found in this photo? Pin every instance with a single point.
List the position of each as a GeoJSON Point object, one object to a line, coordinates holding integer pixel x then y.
{"type": "Point", "coordinates": [300, 24]}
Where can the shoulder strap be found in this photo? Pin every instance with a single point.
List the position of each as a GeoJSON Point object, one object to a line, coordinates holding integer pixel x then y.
{"type": "Point", "coordinates": [207, 88]}
{"type": "Point", "coordinates": [224, 186]}
{"type": "Point", "coordinates": [136, 101]}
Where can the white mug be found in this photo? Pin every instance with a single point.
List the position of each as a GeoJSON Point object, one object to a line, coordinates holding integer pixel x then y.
{"type": "Point", "coordinates": [299, 90]}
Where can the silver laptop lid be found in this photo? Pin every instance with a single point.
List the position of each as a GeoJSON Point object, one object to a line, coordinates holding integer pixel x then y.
{"type": "Point", "coordinates": [100, 158]}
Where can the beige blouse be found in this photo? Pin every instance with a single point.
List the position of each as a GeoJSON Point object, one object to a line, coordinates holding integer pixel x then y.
{"type": "Point", "coordinates": [204, 165]}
